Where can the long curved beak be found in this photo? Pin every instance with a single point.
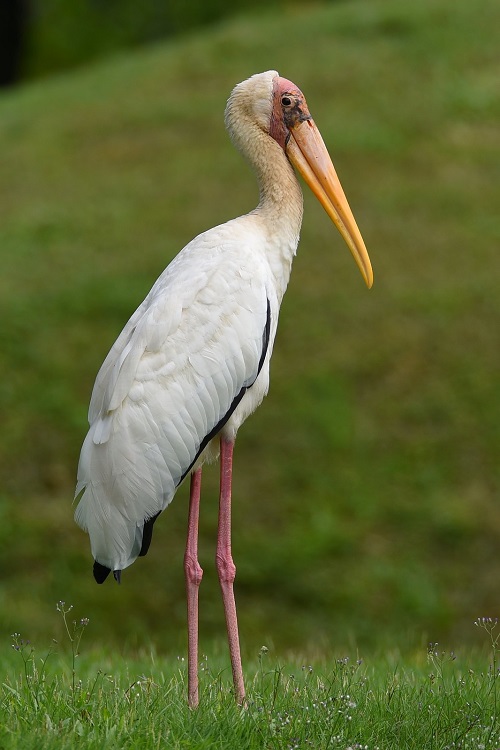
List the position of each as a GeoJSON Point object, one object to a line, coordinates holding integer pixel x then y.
{"type": "Point", "coordinates": [308, 153]}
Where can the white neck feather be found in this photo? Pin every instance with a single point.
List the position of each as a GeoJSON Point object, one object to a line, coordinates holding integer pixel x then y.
{"type": "Point", "coordinates": [280, 207]}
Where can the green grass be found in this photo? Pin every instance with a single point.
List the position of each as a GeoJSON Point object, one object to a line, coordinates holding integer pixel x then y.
{"type": "Point", "coordinates": [366, 486]}
{"type": "Point", "coordinates": [66, 699]}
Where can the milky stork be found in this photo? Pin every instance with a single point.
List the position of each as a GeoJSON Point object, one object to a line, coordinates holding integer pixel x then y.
{"type": "Point", "coordinates": [192, 363]}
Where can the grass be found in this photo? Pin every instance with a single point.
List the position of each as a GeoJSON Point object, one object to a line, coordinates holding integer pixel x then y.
{"type": "Point", "coordinates": [66, 699]}
{"type": "Point", "coordinates": [366, 486]}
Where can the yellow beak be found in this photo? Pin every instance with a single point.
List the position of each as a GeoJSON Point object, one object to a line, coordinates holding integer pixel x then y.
{"type": "Point", "coordinates": [308, 153]}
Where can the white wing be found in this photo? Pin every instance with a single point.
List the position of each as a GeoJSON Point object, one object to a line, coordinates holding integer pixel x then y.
{"type": "Point", "coordinates": [168, 384]}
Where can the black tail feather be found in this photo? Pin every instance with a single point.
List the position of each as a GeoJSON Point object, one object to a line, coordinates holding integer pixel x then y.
{"type": "Point", "coordinates": [101, 572]}
{"type": "Point", "coordinates": [147, 535]}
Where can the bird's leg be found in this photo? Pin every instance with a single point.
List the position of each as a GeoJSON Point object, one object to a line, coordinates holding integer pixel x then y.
{"type": "Point", "coordinates": [226, 567]}
{"type": "Point", "coordinates": [194, 574]}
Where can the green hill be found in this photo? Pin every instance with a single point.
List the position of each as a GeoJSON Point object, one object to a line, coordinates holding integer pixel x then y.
{"type": "Point", "coordinates": [366, 489]}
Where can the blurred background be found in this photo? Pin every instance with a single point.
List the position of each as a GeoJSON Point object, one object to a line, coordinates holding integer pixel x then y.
{"type": "Point", "coordinates": [366, 507]}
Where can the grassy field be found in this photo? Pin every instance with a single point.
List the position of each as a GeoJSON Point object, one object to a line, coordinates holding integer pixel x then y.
{"type": "Point", "coordinates": [366, 489]}
{"type": "Point", "coordinates": [64, 698]}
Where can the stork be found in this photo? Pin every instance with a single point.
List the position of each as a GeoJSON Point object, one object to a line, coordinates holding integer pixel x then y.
{"type": "Point", "coordinates": [192, 363]}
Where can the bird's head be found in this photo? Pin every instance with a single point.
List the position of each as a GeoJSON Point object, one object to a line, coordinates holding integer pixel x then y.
{"type": "Point", "coordinates": [279, 108]}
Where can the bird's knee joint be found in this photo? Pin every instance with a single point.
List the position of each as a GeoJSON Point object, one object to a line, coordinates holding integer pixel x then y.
{"type": "Point", "coordinates": [225, 568]}
{"type": "Point", "coordinates": [193, 569]}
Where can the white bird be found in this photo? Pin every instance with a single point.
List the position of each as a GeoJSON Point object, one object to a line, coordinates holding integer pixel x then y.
{"type": "Point", "coordinates": [192, 363]}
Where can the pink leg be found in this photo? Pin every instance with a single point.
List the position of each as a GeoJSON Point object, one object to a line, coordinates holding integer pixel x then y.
{"type": "Point", "coordinates": [194, 574]}
{"type": "Point", "coordinates": [226, 568]}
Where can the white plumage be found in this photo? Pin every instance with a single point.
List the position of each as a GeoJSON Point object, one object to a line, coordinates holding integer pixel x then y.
{"type": "Point", "coordinates": [193, 360]}
{"type": "Point", "coordinates": [170, 378]}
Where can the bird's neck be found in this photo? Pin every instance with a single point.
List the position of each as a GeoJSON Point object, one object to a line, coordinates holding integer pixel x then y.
{"type": "Point", "coordinates": [280, 207]}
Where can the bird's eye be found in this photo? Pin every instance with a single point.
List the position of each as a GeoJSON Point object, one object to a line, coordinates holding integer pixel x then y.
{"type": "Point", "coordinates": [286, 101]}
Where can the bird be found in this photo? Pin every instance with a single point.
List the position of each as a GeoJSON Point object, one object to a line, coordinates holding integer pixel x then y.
{"type": "Point", "coordinates": [192, 363]}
